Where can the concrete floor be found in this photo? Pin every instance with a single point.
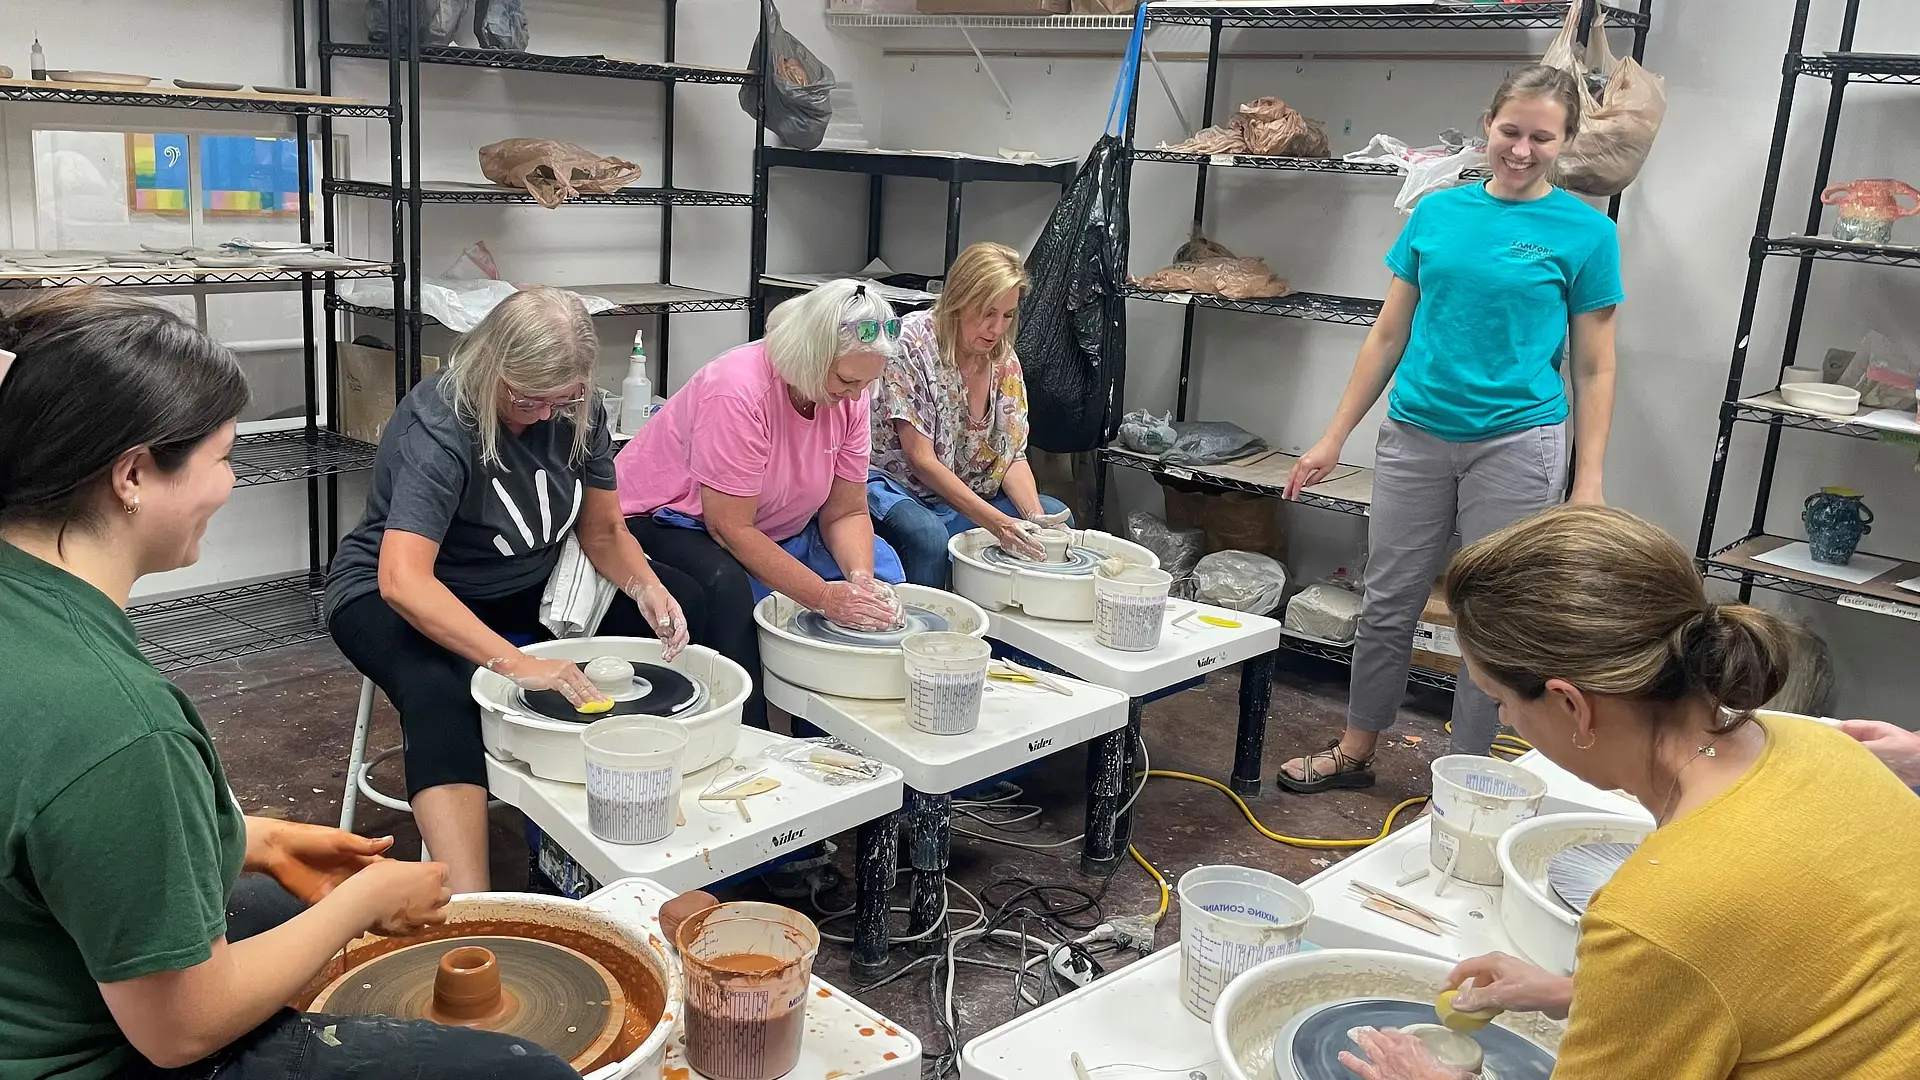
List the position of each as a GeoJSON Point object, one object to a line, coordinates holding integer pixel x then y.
{"type": "Point", "coordinates": [283, 722]}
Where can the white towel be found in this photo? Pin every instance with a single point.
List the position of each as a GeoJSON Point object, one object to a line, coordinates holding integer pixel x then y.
{"type": "Point", "coordinates": [577, 596]}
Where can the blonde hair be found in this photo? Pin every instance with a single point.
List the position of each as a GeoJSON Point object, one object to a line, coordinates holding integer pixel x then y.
{"type": "Point", "coordinates": [806, 334]}
{"type": "Point", "coordinates": [1608, 602]}
{"type": "Point", "coordinates": [976, 279]}
{"type": "Point", "coordinates": [1536, 82]}
{"type": "Point", "coordinates": [537, 341]}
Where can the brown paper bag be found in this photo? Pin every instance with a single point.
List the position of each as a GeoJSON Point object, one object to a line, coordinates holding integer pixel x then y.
{"type": "Point", "coordinates": [553, 171]}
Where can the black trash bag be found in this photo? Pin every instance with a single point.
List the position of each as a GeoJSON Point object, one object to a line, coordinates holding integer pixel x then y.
{"type": "Point", "coordinates": [799, 108]}
{"type": "Point", "coordinates": [500, 24]}
{"type": "Point", "coordinates": [1073, 331]}
{"type": "Point", "coordinates": [439, 20]}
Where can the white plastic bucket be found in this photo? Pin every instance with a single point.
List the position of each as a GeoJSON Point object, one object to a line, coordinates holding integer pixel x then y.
{"type": "Point", "coordinates": [1475, 800]}
{"type": "Point", "coordinates": [1232, 919]}
{"type": "Point", "coordinates": [1130, 606]}
{"type": "Point", "coordinates": [633, 778]}
{"type": "Point", "coordinates": [946, 675]}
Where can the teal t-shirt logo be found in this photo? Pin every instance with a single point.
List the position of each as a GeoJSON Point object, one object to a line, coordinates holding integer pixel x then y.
{"type": "Point", "coordinates": [1527, 250]}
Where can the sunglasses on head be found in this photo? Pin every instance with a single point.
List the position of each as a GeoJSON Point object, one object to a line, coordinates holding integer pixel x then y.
{"type": "Point", "coordinates": [869, 330]}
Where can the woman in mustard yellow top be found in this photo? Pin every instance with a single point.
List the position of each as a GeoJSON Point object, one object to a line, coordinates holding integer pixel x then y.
{"type": "Point", "coordinates": [1769, 928]}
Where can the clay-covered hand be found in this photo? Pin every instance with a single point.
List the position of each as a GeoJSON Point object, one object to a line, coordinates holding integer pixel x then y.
{"type": "Point", "coordinates": [311, 861]}
{"type": "Point", "coordinates": [861, 603]}
{"type": "Point", "coordinates": [1512, 984]}
{"type": "Point", "coordinates": [1050, 521]}
{"type": "Point", "coordinates": [1396, 1055]}
{"type": "Point", "coordinates": [539, 673]}
{"type": "Point", "coordinates": [1896, 747]}
{"type": "Point", "coordinates": [1314, 466]}
{"type": "Point", "coordinates": [396, 897]}
{"type": "Point", "coordinates": [663, 613]}
{"type": "Point", "coordinates": [1015, 537]}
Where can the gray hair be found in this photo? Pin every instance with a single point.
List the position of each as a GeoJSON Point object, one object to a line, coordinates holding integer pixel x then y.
{"type": "Point", "coordinates": [806, 334]}
{"type": "Point", "coordinates": [537, 341]}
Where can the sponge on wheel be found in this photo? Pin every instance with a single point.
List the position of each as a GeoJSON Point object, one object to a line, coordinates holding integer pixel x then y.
{"type": "Point", "coordinates": [1462, 1020]}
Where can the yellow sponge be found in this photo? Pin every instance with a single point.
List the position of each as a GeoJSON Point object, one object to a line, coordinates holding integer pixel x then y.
{"type": "Point", "coordinates": [595, 706]}
{"type": "Point", "coordinates": [1461, 1020]}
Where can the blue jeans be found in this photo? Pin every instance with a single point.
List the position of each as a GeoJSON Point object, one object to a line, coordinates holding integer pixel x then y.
{"type": "Point", "coordinates": [919, 530]}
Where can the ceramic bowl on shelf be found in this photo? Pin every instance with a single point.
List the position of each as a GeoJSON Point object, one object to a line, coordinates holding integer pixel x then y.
{"type": "Point", "coordinates": [1822, 398]}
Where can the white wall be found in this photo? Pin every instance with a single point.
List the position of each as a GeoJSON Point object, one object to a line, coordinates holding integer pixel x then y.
{"type": "Point", "coordinates": [1684, 233]}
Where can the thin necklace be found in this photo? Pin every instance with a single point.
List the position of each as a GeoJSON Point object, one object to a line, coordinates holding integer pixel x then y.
{"type": "Point", "coordinates": [1673, 789]}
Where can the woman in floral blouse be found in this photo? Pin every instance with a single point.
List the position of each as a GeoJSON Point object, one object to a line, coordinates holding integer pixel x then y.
{"type": "Point", "coordinates": [950, 423]}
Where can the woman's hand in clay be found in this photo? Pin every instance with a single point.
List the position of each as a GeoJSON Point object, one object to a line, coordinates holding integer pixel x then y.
{"type": "Point", "coordinates": [398, 898]}
{"type": "Point", "coordinates": [850, 604]}
{"type": "Point", "coordinates": [1511, 984]}
{"type": "Point", "coordinates": [1314, 466]}
{"type": "Point", "coordinates": [1396, 1055]}
{"type": "Point", "coordinates": [1055, 520]}
{"type": "Point", "coordinates": [565, 676]}
{"type": "Point", "coordinates": [311, 861]}
{"type": "Point", "coordinates": [663, 613]}
{"type": "Point", "coordinates": [1015, 537]}
{"type": "Point", "coordinates": [1896, 747]}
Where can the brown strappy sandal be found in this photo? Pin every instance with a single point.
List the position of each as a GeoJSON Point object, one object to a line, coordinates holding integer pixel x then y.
{"type": "Point", "coordinates": [1348, 772]}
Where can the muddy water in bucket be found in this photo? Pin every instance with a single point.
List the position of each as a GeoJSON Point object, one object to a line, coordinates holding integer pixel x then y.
{"type": "Point", "coordinates": [1475, 800]}
{"type": "Point", "coordinates": [1233, 919]}
{"type": "Point", "coordinates": [1129, 606]}
{"type": "Point", "coordinates": [946, 675]}
{"type": "Point", "coordinates": [747, 971]}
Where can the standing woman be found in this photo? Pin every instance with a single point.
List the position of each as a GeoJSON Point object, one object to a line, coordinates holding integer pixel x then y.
{"type": "Point", "coordinates": [950, 423]}
{"type": "Point", "coordinates": [1487, 280]}
{"type": "Point", "coordinates": [482, 472]}
{"type": "Point", "coordinates": [131, 942]}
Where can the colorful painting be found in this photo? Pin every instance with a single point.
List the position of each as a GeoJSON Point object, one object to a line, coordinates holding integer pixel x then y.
{"type": "Point", "coordinates": [250, 176]}
{"type": "Point", "coordinates": [157, 173]}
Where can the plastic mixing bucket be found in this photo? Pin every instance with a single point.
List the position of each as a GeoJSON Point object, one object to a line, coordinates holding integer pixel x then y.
{"type": "Point", "coordinates": [1232, 919]}
{"type": "Point", "coordinates": [747, 972]}
{"type": "Point", "coordinates": [1130, 606]}
{"type": "Point", "coordinates": [946, 674]}
{"type": "Point", "coordinates": [633, 778]}
{"type": "Point", "coordinates": [1475, 800]}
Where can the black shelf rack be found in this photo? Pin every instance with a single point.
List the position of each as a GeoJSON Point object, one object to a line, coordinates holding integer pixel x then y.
{"type": "Point", "coordinates": [953, 170]}
{"type": "Point", "coordinates": [1537, 15]}
{"type": "Point", "coordinates": [1739, 561]}
{"type": "Point", "coordinates": [228, 623]}
{"type": "Point", "coordinates": [408, 193]}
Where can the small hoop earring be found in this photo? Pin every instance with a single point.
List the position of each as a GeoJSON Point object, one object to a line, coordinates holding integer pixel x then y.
{"type": "Point", "coordinates": [133, 507]}
{"type": "Point", "coordinates": [1588, 745]}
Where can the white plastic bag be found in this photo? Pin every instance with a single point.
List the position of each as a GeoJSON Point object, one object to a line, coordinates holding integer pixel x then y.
{"type": "Point", "coordinates": [1617, 131]}
{"type": "Point", "coordinates": [1241, 580]}
{"type": "Point", "coordinates": [460, 298]}
{"type": "Point", "coordinates": [1428, 169]}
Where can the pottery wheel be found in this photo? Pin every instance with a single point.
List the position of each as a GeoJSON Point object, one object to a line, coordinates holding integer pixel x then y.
{"type": "Point", "coordinates": [1313, 1043]}
{"type": "Point", "coordinates": [817, 627]}
{"type": "Point", "coordinates": [559, 999]}
{"type": "Point", "coordinates": [1577, 873]}
{"type": "Point", "coordinates": [657, 691]}
{"type": "Point", "coordinates": [1080, 562]}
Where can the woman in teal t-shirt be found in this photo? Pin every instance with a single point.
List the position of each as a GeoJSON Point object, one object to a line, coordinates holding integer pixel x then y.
{"type": "Point", "coordinates": [1491, 283]}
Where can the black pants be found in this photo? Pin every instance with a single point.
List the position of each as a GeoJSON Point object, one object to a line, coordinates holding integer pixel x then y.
{"type": "Point", "coordinates": [308, 1046]}
{"type": "Point", "coordinates": [726, 593]}
{"type": "Point", "coordinates": [429, 685]}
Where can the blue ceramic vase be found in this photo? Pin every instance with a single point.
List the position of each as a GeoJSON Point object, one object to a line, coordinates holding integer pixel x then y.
{"type": "Point", "coordinates": [1836, 519]}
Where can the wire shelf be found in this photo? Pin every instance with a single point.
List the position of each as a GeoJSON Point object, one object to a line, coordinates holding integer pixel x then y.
{"type": "Point", "coordinates": [457, 192]}
{"type": "Point", "coordinates": [1343, 655]}
{"type": "Point", "coordinates": [231, 279]}
{"type": "Point", "coordinates": [602, 67]}
{"type": "Point", "coordinates": [275, 457]}
{"type": "Point", "coordinates": [229, 623]}
{"type": "Point", "coordinates": [1318, 307]}
{"type": "Point", "coordinates": [164, 98]}
{"type": "Point", "coordinates": [1285, 164]}
{"type": "Point", "coordinates": [1764, 411]}
{"type": "Point", "coordinates": [1824, 247]}
{"type": "Point", "coordinates": [1540, 14]}
{"type": "Point", "coordinates": [847, 20]}
{"type": "Point", "coordinates": [1862, 67]}
{"type": "Point", "coordinates": [1738, 562]}
{"type": "Point", "coordinates": [644, 299]}
{"type": "Point", "coordinates": [1205, 477]}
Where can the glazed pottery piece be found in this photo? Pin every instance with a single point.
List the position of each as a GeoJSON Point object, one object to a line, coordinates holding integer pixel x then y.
{"type": "Point", "coordinates": [1836, 519]}
{"type": "Point", "coordinates": [1868, 209]}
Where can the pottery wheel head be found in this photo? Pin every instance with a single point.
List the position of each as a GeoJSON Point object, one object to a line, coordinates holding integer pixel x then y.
{"type": "Point", "coordinates": [1313, 1041]}
{"type": "Point", "coordinates": [1080, 562]}
{"type": "Point", "coordinates": [817, 627]}
{"type": "Point", "coordinates": [549, 995]}
{"type": "Point", "coordinates": [647, 690]}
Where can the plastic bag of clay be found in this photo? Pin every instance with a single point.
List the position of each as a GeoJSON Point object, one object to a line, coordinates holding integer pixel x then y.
{"type": "Point", "coordinates": [800, 87]}
{"type": "Point", "coordinates": [553, 171]}
{"type": "Point", "coordinates": [1241, 580]}
{"type": "Point", "coordinates": [1203, 266]}
{"type": "Point", "coordinates": [1145, 433]}
{"type": "Point", "coordinates": [439, 20]}
{"type": "Point", "coordinates": [1428, 168]}
{"type": "Point", "coordinates": [1209, 442]}
{"type": "Point", "coordinates": [1618, 126]}
{"type": "Point", "coordinates": [500, 24]}
{"type": "Point", "coordinates": [1325, 611]}
{"type": "Point", "coordinates": [1179, 550]}
{"type": "Point", "coordinates": [1884, 373]}
{"type": "Point", "coordinates": [1272, 128]}
{"type": "Point", "coordinates": [828, 760]}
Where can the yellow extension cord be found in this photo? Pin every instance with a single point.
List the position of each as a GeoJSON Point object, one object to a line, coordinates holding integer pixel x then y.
{"type": "Point", "coordinates": [1502, 744]}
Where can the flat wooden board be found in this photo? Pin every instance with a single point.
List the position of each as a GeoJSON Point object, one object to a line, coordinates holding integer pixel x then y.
{"type": "Point", "coordinates": [168, 88]}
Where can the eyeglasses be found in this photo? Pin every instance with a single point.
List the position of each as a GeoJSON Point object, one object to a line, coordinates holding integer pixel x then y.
{"type": "Point", "coordinates": [536, 404]}
{"type": "Point", "coordinates": [869, 329]}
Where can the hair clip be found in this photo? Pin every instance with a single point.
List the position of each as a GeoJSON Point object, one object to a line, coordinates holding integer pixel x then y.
{"type": "Point", "coordinates": [6, 364]}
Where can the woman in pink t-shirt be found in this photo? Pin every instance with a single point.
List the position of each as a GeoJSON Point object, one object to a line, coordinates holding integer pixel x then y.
{"type": "Point", "coordinates": [752, 477]}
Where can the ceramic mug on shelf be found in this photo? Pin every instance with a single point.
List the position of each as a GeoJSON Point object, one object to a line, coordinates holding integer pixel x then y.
{"type": "Point", "coordinates": [1868, 209]}
{"type": "Point", "coordinates": [1836, 519]}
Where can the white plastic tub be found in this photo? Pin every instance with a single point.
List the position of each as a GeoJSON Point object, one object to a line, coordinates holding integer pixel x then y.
{"type": "Point", "coordinates": [1063, 597]}
{"type": "Point", "coordinates": [551, 748]}
{"type": "Point", "coordinates": [855, 671]}
{"type": "Point", "coordinates": [1545, 932]}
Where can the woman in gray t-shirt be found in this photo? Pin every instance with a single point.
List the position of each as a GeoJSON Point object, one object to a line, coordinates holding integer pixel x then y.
{"type": "Point", "coordinates": [482, 472]}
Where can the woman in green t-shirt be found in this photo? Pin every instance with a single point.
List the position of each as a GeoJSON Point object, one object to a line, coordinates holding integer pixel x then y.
{"type": "Point", "coordinates": [131, 942]}
{"type": "Point", "coordinates": [1491, 285]}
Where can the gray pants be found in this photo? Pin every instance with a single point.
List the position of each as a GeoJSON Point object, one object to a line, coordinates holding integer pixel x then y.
{"type": "Point", "coordinates": [1426, 489]}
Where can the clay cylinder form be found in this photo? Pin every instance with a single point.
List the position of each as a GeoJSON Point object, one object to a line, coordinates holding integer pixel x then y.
{"type": "Point", "coordinates": [466, 989]}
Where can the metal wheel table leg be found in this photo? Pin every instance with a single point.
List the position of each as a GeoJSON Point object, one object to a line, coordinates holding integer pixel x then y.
{"type": "Point", "coordinates": [1256, 695]}
{"type": "Point", "coordinates": [875, 857]}
{"type": "Point", "coordinates": [929, 841]}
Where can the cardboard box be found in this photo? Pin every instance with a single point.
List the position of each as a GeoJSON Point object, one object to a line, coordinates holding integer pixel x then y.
{"type": "Point", "coordinates": [365, 397]}
{"type": "Point", "coordinates": [1435, 647]}
{"type": "Point", "coordinates": [996, 7]}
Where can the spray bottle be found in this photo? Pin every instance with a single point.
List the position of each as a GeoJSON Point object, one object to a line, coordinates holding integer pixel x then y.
{"type": "Point", "coordinates": [636, 391]}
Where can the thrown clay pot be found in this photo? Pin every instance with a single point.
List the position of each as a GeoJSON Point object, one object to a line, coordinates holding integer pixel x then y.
{"type": "Point", "coordinates": [466, 988]}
